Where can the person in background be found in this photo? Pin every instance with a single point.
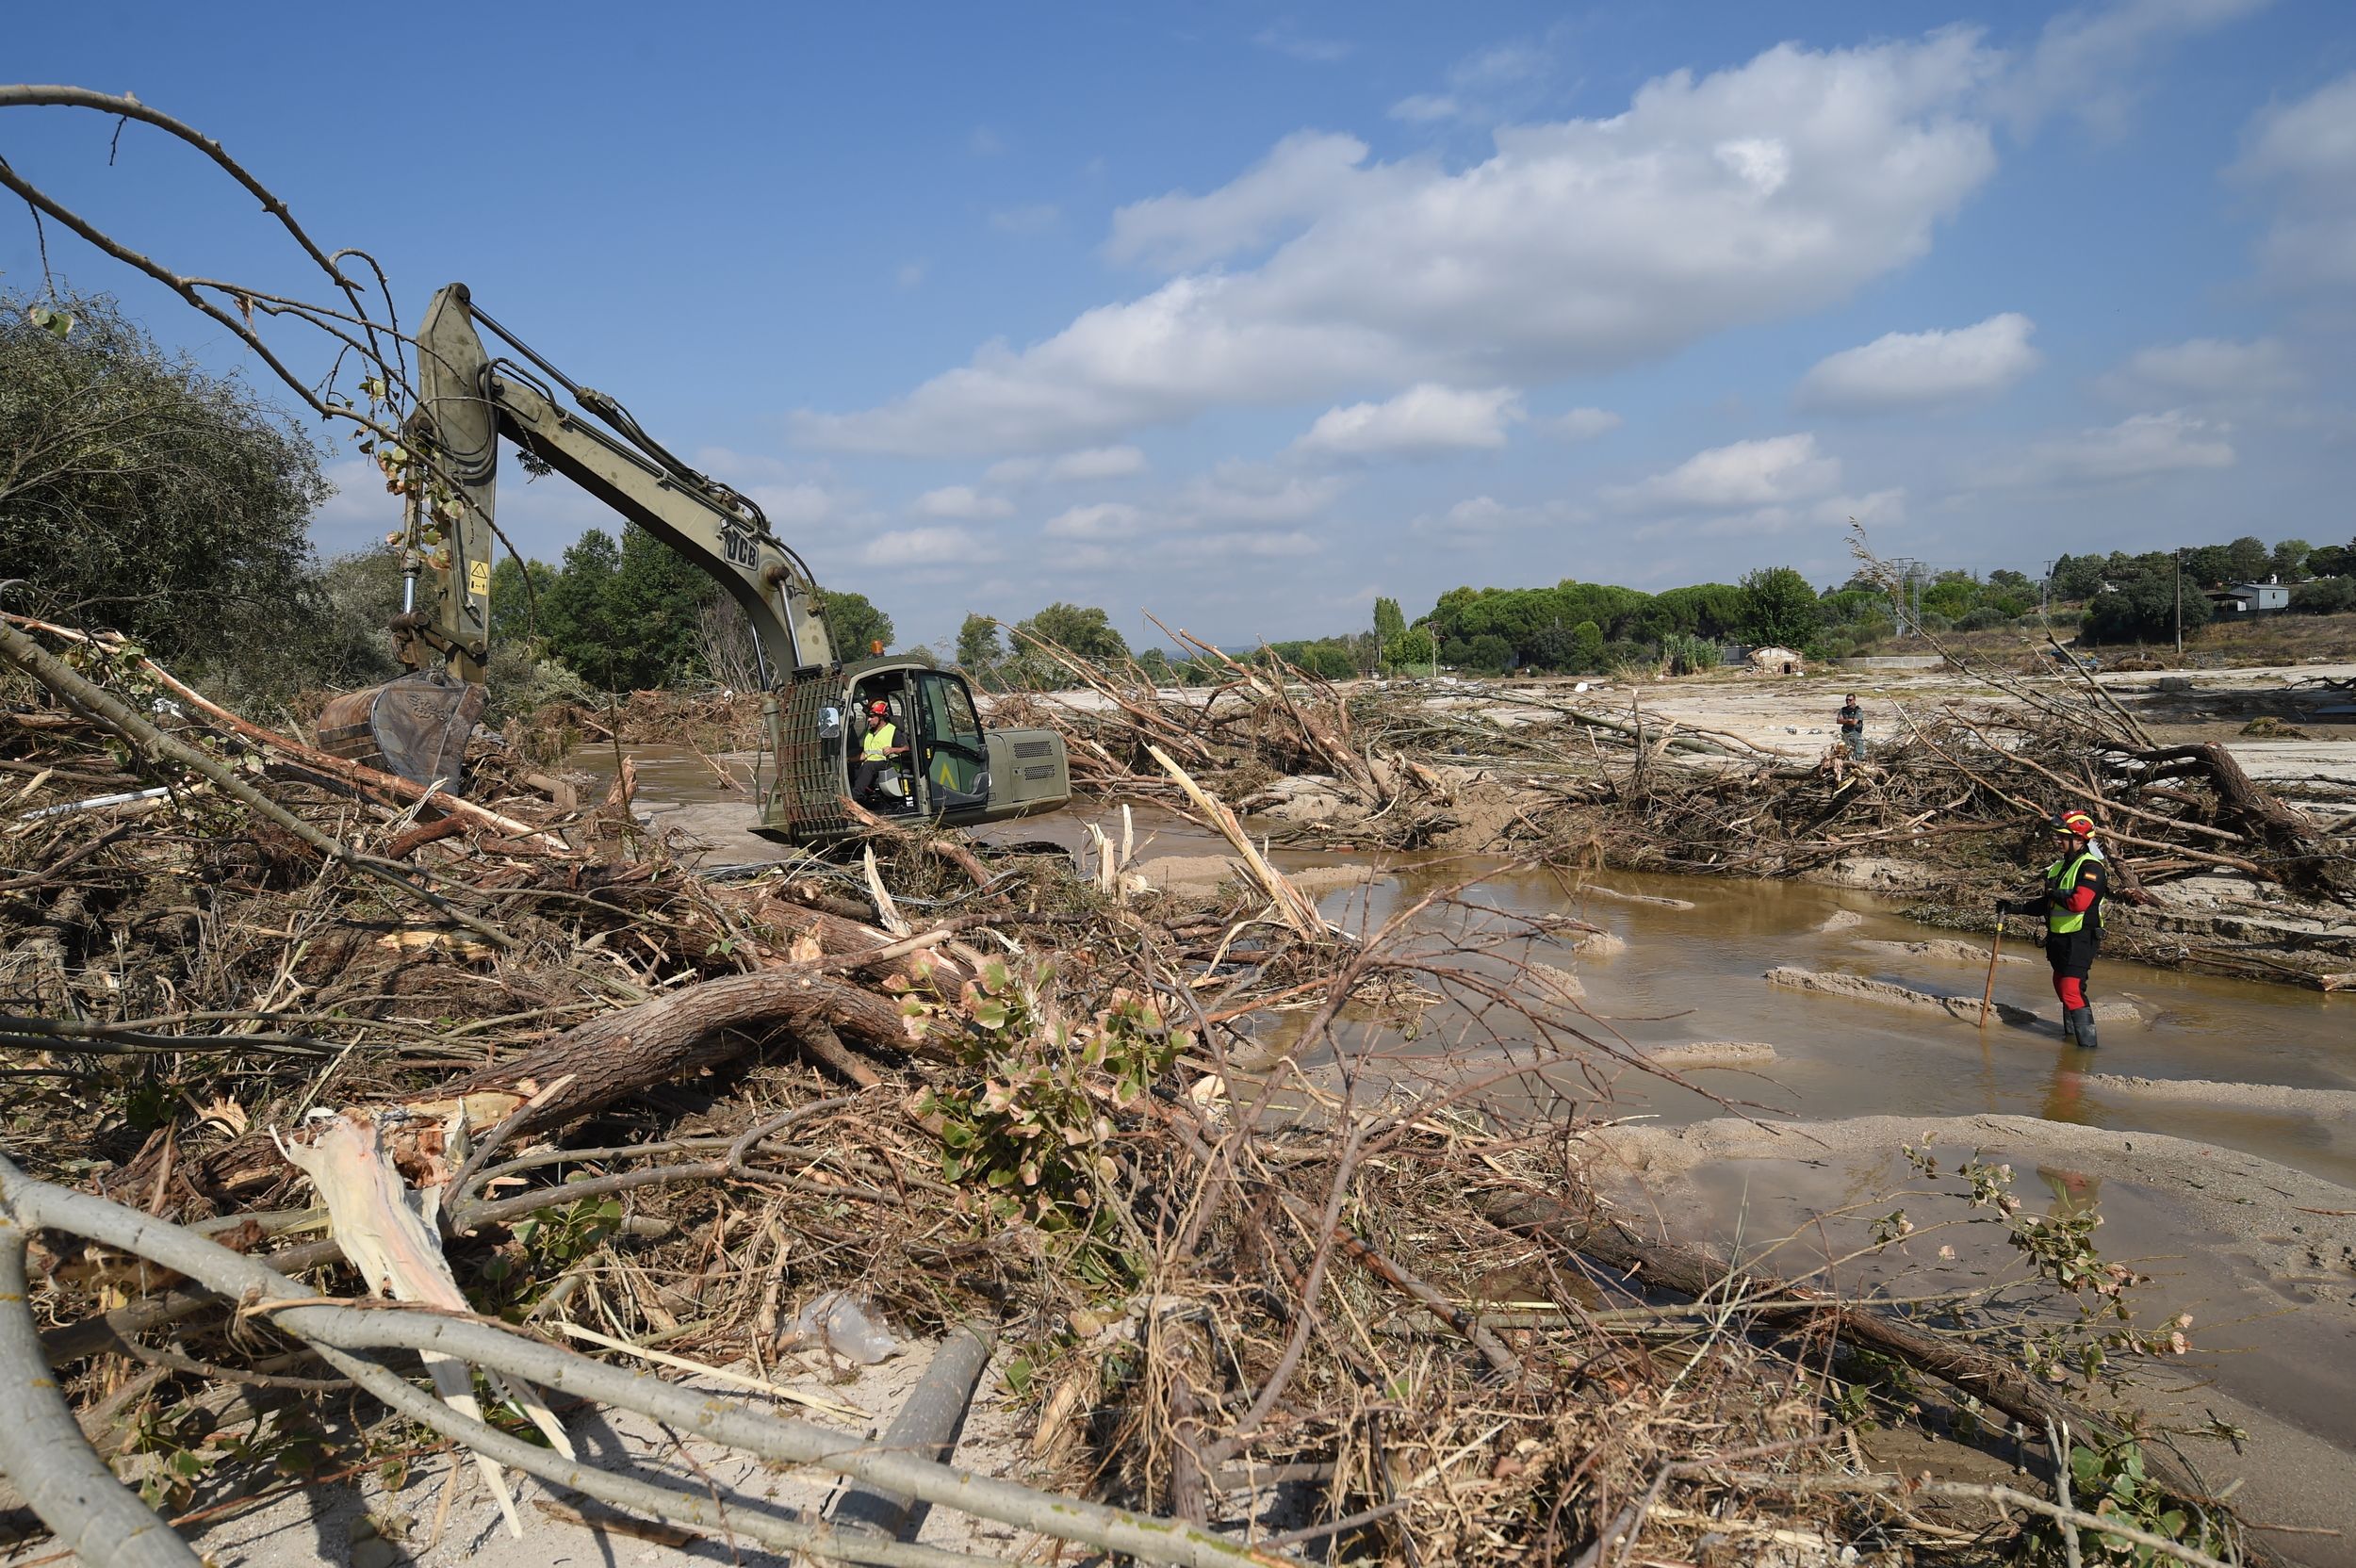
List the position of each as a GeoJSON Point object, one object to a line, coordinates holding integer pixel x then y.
{"type": "Point", "coordinates": [2071, 904]}
{"type": "Point", "coordinates": [877, 749]}
{"type": "Point", "coordinates": [1853, 728]}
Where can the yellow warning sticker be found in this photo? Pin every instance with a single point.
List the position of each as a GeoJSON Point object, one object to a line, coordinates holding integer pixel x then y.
{"type": "Point", "coordinates": [478, 578]}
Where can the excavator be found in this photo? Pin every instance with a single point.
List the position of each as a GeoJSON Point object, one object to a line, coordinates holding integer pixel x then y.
{"type": "Point", "coordinates": [954, 772]}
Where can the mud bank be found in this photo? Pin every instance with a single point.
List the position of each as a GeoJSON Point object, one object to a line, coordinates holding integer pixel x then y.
{"type": "Point", "coordinates": [2338, 1103]}
{"type": "Point", "coordinates": [1857, 987]}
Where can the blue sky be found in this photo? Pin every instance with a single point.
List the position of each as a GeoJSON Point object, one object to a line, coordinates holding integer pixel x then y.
{"type": "Point", "coordinates": [1244, 314]}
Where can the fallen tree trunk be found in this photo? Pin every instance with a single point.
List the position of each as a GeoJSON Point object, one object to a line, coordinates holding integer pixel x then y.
{"type": "Point", "coordinates": [624, 1053]}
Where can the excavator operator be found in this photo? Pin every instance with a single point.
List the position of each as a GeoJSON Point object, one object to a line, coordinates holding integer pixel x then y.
{"type": "Point", "coordinates": [877, 749]}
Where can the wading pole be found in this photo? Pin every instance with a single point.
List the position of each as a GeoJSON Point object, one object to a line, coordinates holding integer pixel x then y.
{"type": "Point", "coordinates": [1990, 990]}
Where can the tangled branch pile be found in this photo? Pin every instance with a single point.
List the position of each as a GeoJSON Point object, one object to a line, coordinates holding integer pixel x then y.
{"type": "Point", "coordinates": [2217, 871]}
{"type": "Point", "coordinates": [1250, 1316]}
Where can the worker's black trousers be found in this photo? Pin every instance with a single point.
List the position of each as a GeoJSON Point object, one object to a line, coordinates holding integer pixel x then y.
{"type": "Point", "coordinates": [2072, 958]}
{"type": "Point", "coordinates": [863, 781]}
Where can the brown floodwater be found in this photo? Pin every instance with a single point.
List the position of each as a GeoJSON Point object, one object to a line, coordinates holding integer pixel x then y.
{"type": "Point", "coordinates": [1695, 975]}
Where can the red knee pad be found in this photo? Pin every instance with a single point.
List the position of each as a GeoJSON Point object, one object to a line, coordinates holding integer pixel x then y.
{"type": "Point", "coordinates": [2070, 990]}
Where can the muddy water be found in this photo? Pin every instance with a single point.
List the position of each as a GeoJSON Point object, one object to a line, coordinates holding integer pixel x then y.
{"type": "Point", "coordinates": [1695, 975]}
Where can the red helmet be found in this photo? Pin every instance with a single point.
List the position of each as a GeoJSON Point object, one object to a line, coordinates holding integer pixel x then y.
{"type": "Point", "coordinates": [879, 708]}
{"type": "Point", "coordinates": [2074, 822]}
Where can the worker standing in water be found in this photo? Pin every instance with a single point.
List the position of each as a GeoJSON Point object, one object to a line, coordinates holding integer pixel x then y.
{"type": "Point", "coordinates": [2071, 904]}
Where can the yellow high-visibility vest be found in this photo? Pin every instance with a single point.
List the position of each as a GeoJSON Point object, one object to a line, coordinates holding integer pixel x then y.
{"type": "Point", "coordinates": [875, 743]}
{"type": "Point", "coordinates": [2060, 882]}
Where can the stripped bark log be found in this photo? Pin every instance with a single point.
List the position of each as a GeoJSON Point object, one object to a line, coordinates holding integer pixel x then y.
{"type": "Point", "coordinates": [384, 1228]}
{"type": "Point", "coordinates": [45, 1453]}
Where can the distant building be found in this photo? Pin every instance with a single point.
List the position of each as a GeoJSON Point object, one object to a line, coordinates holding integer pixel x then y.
{"type": "Point", "coordinates": [2249, 599]}
{"type": "Point", "coordinates": [1775, 661]}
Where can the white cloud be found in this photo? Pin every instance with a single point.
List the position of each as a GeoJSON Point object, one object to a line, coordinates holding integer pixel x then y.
{"type": "Point", "coordinates": [2305, 151]}
{"type": "Point", "coordinates": [1036, 219]}
{"type": "Point", "coordinates": [1481, 85]}
{"type": "Point", "coordinates": [2087, 61]}
{"type": "Point", "coordinates": [1478, 517]}
{"type": "Point", "coordinates": [1748, 195]}
{"type": "Point", "coordinates": [2206, 367]}
{"type": "Point", "coordinates": [1424, 420]}
{"type": "Point", "coordinates": [1581, 424]}
{"type": "Point", "coordinates": [983, 142]}
{"type": "Point", "coordinates": [1241, 491]}
{"type": "Point", "coordinates": [1917, 369]}
{"type": "Point", "coordinates": [795, 504]}
{"type": "Point", "coordinates": [792, 493]}
{"type": "Point", "coordinates": [1421, 109]}
{"type": "Point", "coordinates": [961, 500]}
{"type": "Point", "coordinates": [1218, 549]}
{"type": "Point", "coordinates": [1087, 465]}
{"type": "Point", "coordinates": [1104, 520]}
{"type": "Point", "coordinates": [1097, 463]}
{"type": "Point", "coordinates": [915, 548]}
{"type": "Point", "coordinates": [1766, 472]}
{"type": "Point", "coordinates": [1876, 509]}
{"type": "Point", "coordinates": [2136, 447]}
{"type": "Point", "coordinates": [1278, 195]}
{"type": "Point", "coordinates": [1500, 64]}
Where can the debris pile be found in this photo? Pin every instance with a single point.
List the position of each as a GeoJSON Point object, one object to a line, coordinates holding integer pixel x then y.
{"type": "Point", "coordinates": [284, 1034]}
{"type": "Point", "coordinates": [2214, 870]}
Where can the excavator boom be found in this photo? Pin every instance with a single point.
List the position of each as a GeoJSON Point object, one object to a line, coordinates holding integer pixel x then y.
{"type": "Point", "coordinates": [468, 400]}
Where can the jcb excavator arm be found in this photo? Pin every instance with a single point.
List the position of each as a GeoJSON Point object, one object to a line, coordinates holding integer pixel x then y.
{"type": "Point", "coordinates": [467, 400]}
{"type": "Point", "coordinates": [954, 773]}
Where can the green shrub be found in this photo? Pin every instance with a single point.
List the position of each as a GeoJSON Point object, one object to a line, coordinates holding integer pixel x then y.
{"type": "Point", "coordinates": [1689, 655]}
{"type": "Point", "coordinates": [2329, 596]}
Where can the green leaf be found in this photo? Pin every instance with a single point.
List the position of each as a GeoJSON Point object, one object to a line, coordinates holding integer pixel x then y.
{"type": "Point", "coordinates": [58, 323]}
{"type": "Point", "coordinates": [1018, 1375]}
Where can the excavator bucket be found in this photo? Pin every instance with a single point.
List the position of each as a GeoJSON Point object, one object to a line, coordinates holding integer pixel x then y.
{"type": "Point", "coordinates": [415, 727]}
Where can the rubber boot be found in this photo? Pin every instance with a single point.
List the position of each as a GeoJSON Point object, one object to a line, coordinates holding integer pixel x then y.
{"type": "Point", "coordinates": [2080, 1023]}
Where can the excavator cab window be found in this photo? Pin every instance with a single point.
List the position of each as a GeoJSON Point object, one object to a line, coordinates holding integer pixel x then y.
{"type": "Point", "coordinates": [949, 744]}
{"type": "Point", "coordinates": [897, 784]}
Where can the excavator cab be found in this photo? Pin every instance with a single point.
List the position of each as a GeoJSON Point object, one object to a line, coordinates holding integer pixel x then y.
{"type": "Point", "coordinates": [955, 773]}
